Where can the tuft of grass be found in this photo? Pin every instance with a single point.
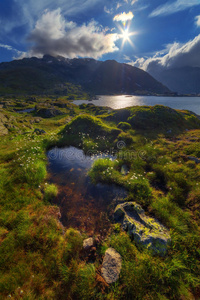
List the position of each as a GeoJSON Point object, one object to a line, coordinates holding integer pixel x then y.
{"type": "Point", "coordinates": [50, 192]}
{"type": "Point", "coordinates": [108, 171]}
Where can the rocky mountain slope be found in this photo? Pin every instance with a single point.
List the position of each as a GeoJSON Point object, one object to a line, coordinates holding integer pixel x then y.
{"type": "Point", "coordinates": [57, 75]}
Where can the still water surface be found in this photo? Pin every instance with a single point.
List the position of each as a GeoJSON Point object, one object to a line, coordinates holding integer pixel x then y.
{"type": "Point", "coordinates": [83, 205]}
{"type": "Point", "coordinates": [122, 101]}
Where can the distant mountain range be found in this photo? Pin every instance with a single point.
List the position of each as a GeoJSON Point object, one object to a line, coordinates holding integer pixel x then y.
{"type": "Point", "coordinates": [185, 80]}
{"type": "Point", "coordinates": [51, 75]}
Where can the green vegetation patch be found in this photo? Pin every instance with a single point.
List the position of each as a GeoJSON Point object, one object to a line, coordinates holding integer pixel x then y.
{"type": "Point", "coordinates": [40, 259]}
{"type": "Point", "coordinates": [161, 118]}
{"type": "Point", "coordinates": [89, 132]}
{"type": "Point", "coordinates": [91, 125]}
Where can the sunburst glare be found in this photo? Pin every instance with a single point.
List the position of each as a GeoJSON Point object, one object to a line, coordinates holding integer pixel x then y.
{"type": "Point", "coordinates": [125, 35]}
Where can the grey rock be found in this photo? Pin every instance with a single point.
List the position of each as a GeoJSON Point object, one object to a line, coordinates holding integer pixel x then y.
{"type": "Point", "coordinates": [39, 131]}
{"type": "Point", "coordinates": [88, 243]}
{"type": "Point", "coordinates": [35, 120]}
{"type": "Point", "coordinates": [10, 126]}
{"type": "Point", "coordinates": [195, 159]}
{"type": "Point", "coordinates": [49, 112]}
{"type": "Point", "coordinates": [112, 264]}
{"type": "Point", "coordinates": [144, 230]}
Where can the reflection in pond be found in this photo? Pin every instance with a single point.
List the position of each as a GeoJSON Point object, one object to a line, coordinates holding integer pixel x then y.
{"type": "Point", "coordinates": [83, 205]}
{"type": "Point", "coordinates": [27, 110]}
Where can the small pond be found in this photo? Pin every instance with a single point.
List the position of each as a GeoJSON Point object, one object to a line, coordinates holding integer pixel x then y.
{"type": "Point", "coordinates": [83, 205]}
{"type": "Point", "coordinates": [27, 110]}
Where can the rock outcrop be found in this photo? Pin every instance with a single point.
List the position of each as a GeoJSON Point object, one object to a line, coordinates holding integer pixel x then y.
{"type": "Point", "coordinates": [88, 243]}
{"type": "Point", "coordinates": [49, 112]}
{"type": "Point", "coordinates": [111, 267]}
{"type": "Point", "coordinates": [39, 131]}
{"type": "Point", "coordinates": [145, 231]}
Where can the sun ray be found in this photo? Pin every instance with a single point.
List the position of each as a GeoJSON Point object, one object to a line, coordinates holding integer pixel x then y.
{"type": "Point", "coordinates": [125, 35]}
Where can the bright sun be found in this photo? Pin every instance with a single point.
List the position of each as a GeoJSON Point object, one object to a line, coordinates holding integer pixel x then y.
{"type": "Point", "coordinates": [125, 35]}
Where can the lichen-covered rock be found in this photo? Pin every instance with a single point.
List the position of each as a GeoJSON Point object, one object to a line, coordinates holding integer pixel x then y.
{"type": "Point", "coordinates": [112, 264]}
{"type": "Point", "coordinates": [88, 243]}
{"type": "Point", "coordinates": [145, 231]}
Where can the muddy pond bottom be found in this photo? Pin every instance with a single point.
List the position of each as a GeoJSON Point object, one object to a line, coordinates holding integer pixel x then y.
{"type": "Point", "coordinates": [83, 205]}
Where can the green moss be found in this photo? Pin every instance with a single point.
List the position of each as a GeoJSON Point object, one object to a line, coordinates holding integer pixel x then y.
{"type": "Point", "coordinates": [50, 192]}
{"type": "Point", "coordinates": [89, 125]}
{"type": "Point", "coordinates": [124, 126]}
{"type": "Point", "coordinates": [89, 132]}
{"type": "Point", "coordinates": [159, 118]}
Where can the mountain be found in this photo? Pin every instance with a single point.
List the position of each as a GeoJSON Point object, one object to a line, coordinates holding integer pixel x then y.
{"type": "Point", "coordinates": [57, 74]}
{"type": "Point", "coordinates": [183, 80]}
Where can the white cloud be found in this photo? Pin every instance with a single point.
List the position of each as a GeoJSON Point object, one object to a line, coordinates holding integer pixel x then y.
{"type": "Point", "coordinates": [133, 2]}
{"type": "Point", "coordinates": [27, 12]}
{"type": "Point", "coordinates": [118, 5]}
{"type": "Point", "coordinates": [69, 8]}
{"type": "Point", "coordinates": [108, 10]}
{"type": "Point", "coordinates": [178, 55]}
{"type": "Point", "coordinates": [173, 7]}
{"type": "Point", "coordinates": [123, 17]}
{"type": "Point", "coordinates": [6, 47]}
{"type": "Point", "coordinates": [140, 8]}
{"type": "Point", "coordinates": [10, 48]}
{"type": "Point", "coordinates": [55, 36]}
{"type": "Point", "coordinates": [197, 19]}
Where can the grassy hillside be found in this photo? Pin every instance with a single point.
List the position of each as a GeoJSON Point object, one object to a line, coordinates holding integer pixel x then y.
{"type": "Point", "coordinates": [40, 259]}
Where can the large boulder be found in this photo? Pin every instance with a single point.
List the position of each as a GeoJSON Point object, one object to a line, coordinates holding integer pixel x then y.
{"type": "Point", "coordinates": [144, 230]}
{"type": "Point", "coordinates": [49, 112]}
{"type": "Point", "coordinates": [112, 264]}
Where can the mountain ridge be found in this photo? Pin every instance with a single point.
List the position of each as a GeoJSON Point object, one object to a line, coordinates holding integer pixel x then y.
{"type": "Point", "coordinates": [46, 74]}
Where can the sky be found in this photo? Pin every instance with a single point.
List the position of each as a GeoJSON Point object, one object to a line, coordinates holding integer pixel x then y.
{"type": "Point", "coordinates": [144, 33]}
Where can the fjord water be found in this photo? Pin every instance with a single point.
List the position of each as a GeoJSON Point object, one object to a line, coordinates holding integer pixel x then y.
{"type": "Point", "coordinates": [122, 101]}
{"type": "Point", "coordinates": [83, 205]}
